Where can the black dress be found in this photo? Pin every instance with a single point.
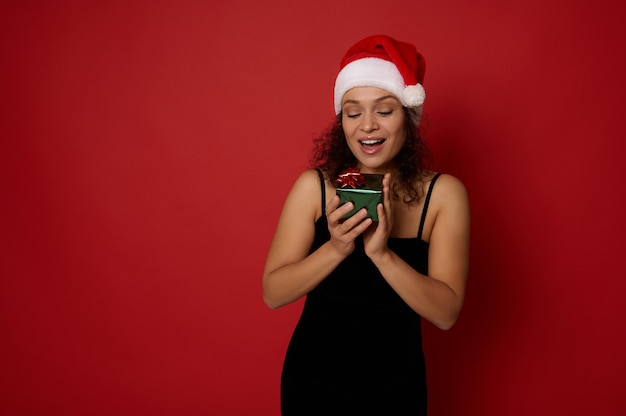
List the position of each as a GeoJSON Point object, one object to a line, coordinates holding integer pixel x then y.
{"type": "Point", "coordinates": [357, 348]}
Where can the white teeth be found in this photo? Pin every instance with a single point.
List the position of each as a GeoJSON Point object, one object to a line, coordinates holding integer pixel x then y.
{"type": "Point", "coordinates": [372, 141]}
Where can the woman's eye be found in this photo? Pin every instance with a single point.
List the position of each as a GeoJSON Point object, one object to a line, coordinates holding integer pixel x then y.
{"type": "Point", "coordinates": [355, 115]}
{"type": "Point", "coordinates": [385, 113]}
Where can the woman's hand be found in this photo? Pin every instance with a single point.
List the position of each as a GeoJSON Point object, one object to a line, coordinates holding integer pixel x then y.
{"type": "Point", "coordinates": [376, 238]}
{"type": "Point", "coordinates": [344, 232]}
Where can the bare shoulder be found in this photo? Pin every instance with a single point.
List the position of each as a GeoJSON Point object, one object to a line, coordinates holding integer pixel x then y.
{"type": "Point", "coordinates": [305, 195]}
{"type": "Point", "coordinates": [449, 186]}
{"type": "Point", "coordinates": [309, 178]}
{"type": "Point", "coordinates": [296, 226]}
{"type": "Point", "coordinates": [308, 183]}
{"type": "Point", "coordinates": [450, 198]}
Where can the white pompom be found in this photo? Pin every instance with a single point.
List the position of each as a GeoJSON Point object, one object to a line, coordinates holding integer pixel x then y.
{"type": "Point", "coordinates": [414, 95]}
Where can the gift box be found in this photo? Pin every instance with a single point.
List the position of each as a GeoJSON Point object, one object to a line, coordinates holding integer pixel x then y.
{"type": "Point", "coordinates": [364, 190]}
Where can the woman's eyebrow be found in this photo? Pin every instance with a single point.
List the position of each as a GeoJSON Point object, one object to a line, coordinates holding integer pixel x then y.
{"type": "Point", "coordinates": [379, 99]}
{"type": "Point", "coordinates": [385, 97]}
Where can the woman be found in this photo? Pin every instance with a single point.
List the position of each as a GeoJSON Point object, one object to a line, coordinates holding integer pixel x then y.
{"type": "Point", "coordinates": [357, 347]}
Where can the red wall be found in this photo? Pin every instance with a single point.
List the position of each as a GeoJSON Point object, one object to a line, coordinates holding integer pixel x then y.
{"type": "Point", "coordinates": [146, 148]}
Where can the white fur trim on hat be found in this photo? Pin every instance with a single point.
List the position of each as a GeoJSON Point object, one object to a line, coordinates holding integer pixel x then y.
{"type": "Point", "coordinates": [379, 73]}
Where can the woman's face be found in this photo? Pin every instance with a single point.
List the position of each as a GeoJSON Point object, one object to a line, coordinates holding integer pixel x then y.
{"type": "Point", "coordinates": [373, 122]}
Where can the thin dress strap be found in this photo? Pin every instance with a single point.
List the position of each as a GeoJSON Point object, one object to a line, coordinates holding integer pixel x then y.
{"type": "Point", "coordinates": [323, 186]}
{"type": "Point", "coordinates": [426, 202]}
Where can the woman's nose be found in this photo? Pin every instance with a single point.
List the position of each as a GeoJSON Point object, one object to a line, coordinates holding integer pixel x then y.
{"type": "Point", "coordinates": [369, 122]}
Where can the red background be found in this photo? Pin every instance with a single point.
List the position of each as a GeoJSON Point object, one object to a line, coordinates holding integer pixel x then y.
{"type": "Point", "coordinates": [147, 148]}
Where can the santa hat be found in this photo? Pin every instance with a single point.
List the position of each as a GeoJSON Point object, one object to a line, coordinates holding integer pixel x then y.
{"type": "Point", "coordinates": [383, 62]}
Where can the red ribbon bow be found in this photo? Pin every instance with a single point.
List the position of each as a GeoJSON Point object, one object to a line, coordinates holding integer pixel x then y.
{"type": "Point", "coordinates": [351, 178]}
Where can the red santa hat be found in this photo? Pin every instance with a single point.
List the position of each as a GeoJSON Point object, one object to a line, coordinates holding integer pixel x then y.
{"type": "Point", "coordinates": [383, 62]}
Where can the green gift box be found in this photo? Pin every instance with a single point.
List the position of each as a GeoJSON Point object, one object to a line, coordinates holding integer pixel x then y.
{"type": "Point", "coordinates": [367, 196]}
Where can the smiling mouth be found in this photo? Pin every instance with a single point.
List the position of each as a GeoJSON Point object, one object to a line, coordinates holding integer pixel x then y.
{"type": "Point", "coordinates": [371, 142]}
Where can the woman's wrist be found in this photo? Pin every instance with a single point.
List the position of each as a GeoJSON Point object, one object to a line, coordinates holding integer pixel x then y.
{"type": "Point", "coordinates": [336, 252]}
{"type": "Point", "coordinates": [381, 257]}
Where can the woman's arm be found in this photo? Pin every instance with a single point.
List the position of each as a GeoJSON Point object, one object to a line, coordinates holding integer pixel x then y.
{"type": "Point", "coordinates": [439, 296]}
{"type": "Point", "coordinates": [290, 272]}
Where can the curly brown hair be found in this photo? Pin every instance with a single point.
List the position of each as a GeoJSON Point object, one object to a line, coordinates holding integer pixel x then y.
{"type": "Point", "coordinates": [332, 156]}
